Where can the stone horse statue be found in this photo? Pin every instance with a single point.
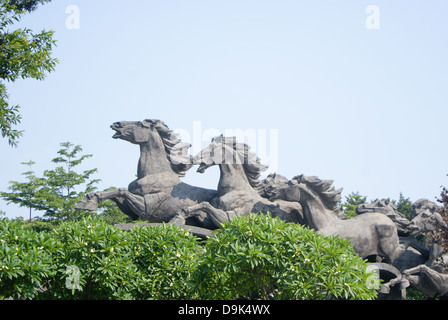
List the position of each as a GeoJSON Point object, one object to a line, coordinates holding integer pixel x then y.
{"type": "Point", "coordinates": [388, 208]}
{"type": "Point", "coordinates": [371, 234]}
{"type": "Point", "coordinates": [428, 281]}
{"type": "Point", "coordinates": [237, 189]}
{"type": "Point", "coordinates": [158, 194]}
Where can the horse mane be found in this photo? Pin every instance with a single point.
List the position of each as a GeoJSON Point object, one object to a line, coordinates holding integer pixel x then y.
{"type": "Point", "coordinates": [251, 162]}
{"type": "Point", "coordinates": [175, 149]}
{"type": "Point", "coordinates": [324, 189]}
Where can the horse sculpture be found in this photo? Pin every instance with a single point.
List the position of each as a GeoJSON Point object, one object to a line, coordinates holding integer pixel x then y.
{"type": "Point", "coordinates": [158, 194]}
{"type": "Point", "coordinates": [371, 234]}
{"type": "Point", "coordinates": [388, 208]}
{"type": "Point", "coordinates": [237, 193]}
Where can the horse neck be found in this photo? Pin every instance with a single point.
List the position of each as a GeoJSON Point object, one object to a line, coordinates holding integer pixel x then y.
{"type": "Point", "coordinates": [153, 161]}
{"type": "Point", "coordinates": [314, 210]}
{"type": "Point", "coordinates": [233, 179]}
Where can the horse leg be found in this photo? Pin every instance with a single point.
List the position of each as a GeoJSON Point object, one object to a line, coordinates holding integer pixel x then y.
{"type": "Point", "coordinates": [124, 207]}
{"type": "Point", "coordinates": [417, 246]}
{"type": "Point", "coordinates": [133, 205]}
{"type": "Point", "coordinates": [389, 243]}
{"type": "Point", "coordinates": [205, 209]}
{"type": "Point", "coordinates": [424, 281]}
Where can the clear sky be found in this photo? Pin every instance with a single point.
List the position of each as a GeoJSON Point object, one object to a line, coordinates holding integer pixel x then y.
{"type": "Point", "coordinates": [365, 105]}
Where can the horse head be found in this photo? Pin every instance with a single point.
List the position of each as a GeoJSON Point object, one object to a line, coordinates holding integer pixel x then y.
{"type": "Point", "coordinates": [227, 151]}
{"type": "Point", "coordinates": [221, 150]}
{"type": "Point", "coordinates": [384, 206]}
{"type": "Point", "coordinates": [136, 132]}
{"type": "Point", "coordinates": [389, 209]}
{"type": "Point", "coordinates": [158, 139]}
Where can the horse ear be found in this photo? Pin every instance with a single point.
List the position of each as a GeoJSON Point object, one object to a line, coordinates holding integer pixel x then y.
{"type": "Point", "coordinates": [218, 138]}
{"type": "Point", "coordinates": [147, 123]}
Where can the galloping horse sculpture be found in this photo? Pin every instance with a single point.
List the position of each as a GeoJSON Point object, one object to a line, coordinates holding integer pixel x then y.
{"type": "Point", "coordinates": [237, 193]}
{"type": "Point", "coordinates": [371, 234]}
{"type": "Point", "coordinates": [158, 194]}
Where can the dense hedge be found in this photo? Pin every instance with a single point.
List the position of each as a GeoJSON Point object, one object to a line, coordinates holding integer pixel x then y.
{"type": "Point", "coordinates": [260, 257]}
{"type": "Point", "coordinates": [256, 257]}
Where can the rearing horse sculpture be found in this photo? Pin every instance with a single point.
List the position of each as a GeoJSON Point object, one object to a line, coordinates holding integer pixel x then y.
{"type": "Point", "coordinates": [158, 194]}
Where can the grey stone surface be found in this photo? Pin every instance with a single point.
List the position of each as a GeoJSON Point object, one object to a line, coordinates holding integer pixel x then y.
{"type": "Point", "coordinates": [158, 194]}
{"type": "Point", "coordinates": [394, 284]}
{"type": "Point", "coordinates": [388, 208]}
{"type": "Point", "coordinates": [426, 217]}
{"type": "Point", "coordinates": [427, 280]}
{"type": "Point", "coordinates": [370, 233]}
{"type": "Point", "coordinates": [197, 231]}
{"type": "Point", "coordinates": [237, 189]}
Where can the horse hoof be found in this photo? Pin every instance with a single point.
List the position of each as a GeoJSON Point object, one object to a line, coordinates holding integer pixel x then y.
{"type": "Point", "coordinates": [87, 204]}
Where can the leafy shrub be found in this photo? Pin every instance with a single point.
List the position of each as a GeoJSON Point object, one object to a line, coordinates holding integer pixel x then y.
{"type": "Point", "coordinates": [95, 260]}
{"type": "Point", "coordinates": [92, 261]}
{"type": "Point", "coordinates": [260, 257]}
{"type": "Point", "coordinates": [166, 256]}
{"type": "Point", "coordinates": [252, 257]}
{"type": "Point", "coordinates": [25, 260]}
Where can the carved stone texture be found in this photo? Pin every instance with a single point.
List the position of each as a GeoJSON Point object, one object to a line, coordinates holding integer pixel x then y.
{"type": "Point", "coordinates": [196, 231]}
{"type": "Point", "coordinates": [157, 195]}
{"type": "Point", "coordinates": [388, 208]}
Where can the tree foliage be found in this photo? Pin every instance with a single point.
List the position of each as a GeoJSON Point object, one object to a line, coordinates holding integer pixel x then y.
{"type": "Point", "coordinates": [404, 206]}
{"type": "Point", "coordinates": [23, 54]}
{"type": "Point", "coordinates": [90, 259]}
{"type": "Point", "coordinates": [440, 233]}
{"type": "Point", "coordinates": [25, 193]}
{"type": "Point", "coordinates": [252, 257]}
{"type": "Point", "coordinates": [25, 260]}
{"type": "Point", "coordinates": [353, 200]}
{"type": "Point", "coordinates": [61, 183]}
{"type": "Point", "coordinates": [59, 190]}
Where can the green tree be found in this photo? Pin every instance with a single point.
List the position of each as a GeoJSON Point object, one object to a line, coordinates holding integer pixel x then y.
{"type": "Point", "coordinates": [61, 183]}
{"type": "Point", "coordinates": [59, 190]}
{"type": "Point", "coordinates": [404, 206]}
{"type": "Point", "coordinates": [23, 54]}
{"type": "Point", "coordinates": [353, 200]}
{"type": "Point", "coordinates": [25, 193]}
{"type": "Point", "coordinates": [440, 233]}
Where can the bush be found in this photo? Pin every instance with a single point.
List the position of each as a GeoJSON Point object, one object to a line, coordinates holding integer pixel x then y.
{"type": "Point", "coordinates": [167, 257]}
{"type": "Point", "coordinates": [260, 257]}
{"type": "Point", "coordinates": [91, 261]}
{"type": "Point", "coordinates": [94, 260]}
{"type": "Point", "coordinates": [25, 260]}
{"type": "Point", "coordinates": [255, 257]}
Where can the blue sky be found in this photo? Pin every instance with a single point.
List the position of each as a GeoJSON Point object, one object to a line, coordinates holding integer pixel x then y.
{"type": "Point", "coordinates": [365, 108]}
